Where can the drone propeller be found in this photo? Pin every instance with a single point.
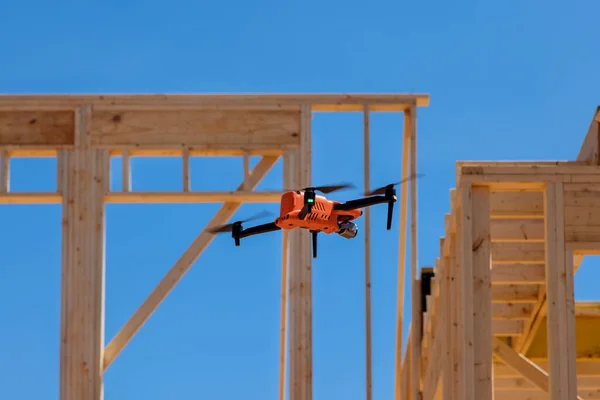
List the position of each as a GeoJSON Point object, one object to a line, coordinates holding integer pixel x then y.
{"type": "Point", "coordinates": [383, 189]}
{"type": "Point", "coordinates": [229, 227]}
{"type": "Point", "coordinates": [329, 188]}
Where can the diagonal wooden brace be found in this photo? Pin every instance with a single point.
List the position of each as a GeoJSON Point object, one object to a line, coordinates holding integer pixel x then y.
{"type": "Point", "coordinates": [118, 343]}
{"type": "Point", "coordinates": [530, 370]}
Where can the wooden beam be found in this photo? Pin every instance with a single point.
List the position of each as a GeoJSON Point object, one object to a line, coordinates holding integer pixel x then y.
{"type": "Point", "coordinates": [182, 265]}
{"type": "Point", "coordinates": [83, 176]}
{"type": "Point", "coordinates": [319, 102]}
{"type": "Point", "coordinates": [517, 205]}
{"type": "Point", "coordinates": [242, 196]}
{"type": "Point", "coordinates": [560, 294]}
{"type": "Point", "coordinates": [481, 257]}
{"type": "Point", "coordinates": [300, 287]}
{"type": "Point", "coordinates": [367, 249]}
{"type": "Point", "coordinates": [410, 124]}
{"type": "Point", "coordinates": [195, 128]}
{"type": "Point", "coordinates": [403, 215]}
{"type": "Point", "coordinates": [520, 363]}
{"type": "Point", "coordinates": [517, 230]}
{"type": "Point", "coordinates": [288, 181]}
{"type": "Point", "coordinates": [510, 311]}
{"type": "Point", "coordinates": [519, 274]}
{"type": "Point", "coordinates": [467, 357]}
{"type": "Point", "coordinates": [528, 369]}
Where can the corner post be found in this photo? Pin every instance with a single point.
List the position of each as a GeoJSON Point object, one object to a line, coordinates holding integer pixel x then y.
{"type": "Point", "coordinates": [476, 346]}
{"type": "Point", "coordinates": [560, 294]}
{"type": "Point", "coordinates": [84, 178]}
{"type": "Point", "coordinates": [300, 285]}
{"type": "Point", "coordinates": [410, 123]}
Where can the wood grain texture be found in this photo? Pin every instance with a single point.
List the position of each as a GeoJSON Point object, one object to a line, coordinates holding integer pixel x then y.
{"type": "Point", "coordinates": [37, 128]}
{"type": "Point", "coordinates": [189, 127]}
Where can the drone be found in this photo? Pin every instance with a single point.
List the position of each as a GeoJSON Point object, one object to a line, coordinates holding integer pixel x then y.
{"type": "Point", "coordinates": [307, 210]}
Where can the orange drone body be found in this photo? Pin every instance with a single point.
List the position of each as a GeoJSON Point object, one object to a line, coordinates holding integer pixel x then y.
{"type": "Point", "coordinates": [322, 217]}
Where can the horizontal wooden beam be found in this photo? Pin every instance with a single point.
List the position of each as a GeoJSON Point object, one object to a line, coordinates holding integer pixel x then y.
{"type": "Point", "coordinates": [515, 293]}
{"type": "Point", "coordinates": [517, 205]}
{"type": "Point", "coordinates": [150, 197]}
{"type": "Point", "coordinates": [518, 253]}
{"type": "Point", "coordinates": [345, 102]}
{"type": "Point", "coordinates": [517, 230]}
{"type": "Point", "coordinates": [193, 197]}
{"type": "Point", "coordinates": [510, 311]}
{"type": "Point", "coordinates": [518, 274]}
{"type": "Point", "coordinates": [584, 368]}
{"type": "Point", "coordinates": [513, 382]}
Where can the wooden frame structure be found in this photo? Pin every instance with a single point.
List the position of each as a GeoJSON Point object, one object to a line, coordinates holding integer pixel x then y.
{"type": "Point", "coordinates": [499, 317]}
{"type": "Point", "coordinates": [84, 131]}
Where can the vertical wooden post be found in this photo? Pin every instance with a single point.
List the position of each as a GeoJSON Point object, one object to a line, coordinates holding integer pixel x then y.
{"type": "Point", "coordinates": [482, 294]}
{"type": "Point", "coordinates": [288, 182]}
{"type": "Point", "coordinates": [300, 286]}
{"type": "Point", "coordinates": [403, 214]}
{"type": "Point", "coordinates": [476, 281]}
{"type": "Point", "coordinates": [466, 282]}
{"type": "Point", "coordinates": [85, 178]}
{"type": "Point", "coordinates": [446, 325]}
{"type": "Point", "coordinates": [410, 116]}
{"type": "Point", "coordinates": [367, 235]}
{"type": "Point", "coordinates": [4, 171]}
{"type": "Point", "coordinates": [560, 299]}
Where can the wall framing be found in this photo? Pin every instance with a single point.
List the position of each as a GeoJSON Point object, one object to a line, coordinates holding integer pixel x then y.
{"type": "Point", "coordinates": [84, 131]}
{"type": "Point", "coordinates": [514, 238]}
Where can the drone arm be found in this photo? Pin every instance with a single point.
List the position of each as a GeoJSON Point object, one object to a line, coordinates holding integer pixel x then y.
{"type": "Point", "coordinates": [364, 202]}
{"type": "Point", "coordinates": [258, 229]}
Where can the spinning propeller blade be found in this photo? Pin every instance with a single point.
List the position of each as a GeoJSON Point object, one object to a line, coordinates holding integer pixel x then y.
{"type": "Point", "coordinates": [330, 188]}
{"type": "Point", "coordinates": [326, 189]}
{"type": "Point", "coordinates": [229, 227]}
{"type": "Point", "coordinates": [382, 189]}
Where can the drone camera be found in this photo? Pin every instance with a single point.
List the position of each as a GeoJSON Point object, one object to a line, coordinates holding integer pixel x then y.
{"type": "Point", "coordinates": [347, 230]}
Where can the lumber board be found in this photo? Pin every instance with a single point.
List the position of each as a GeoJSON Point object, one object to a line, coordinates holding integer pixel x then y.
{"type": "Point", "coordinates": [522, 384]}
{"type": "Point", "coordinates": [35, 128]}
{"type": "Point", "coordinates": [515, 293]}
{"type": "Point", "coordinates": [517, 204]}
{"type": "Point", "coordinates": [518, 253]}
{"type": "Point", "coordinates": [196, 127]}
{"type": "Point", "coordinates": [517, 230]}
{"type": "Point", "coordinates": [582, 210]}
{"type": "Point", "coordinates": [518, 274]}
{"type": "Point", "coordinates": [510, 311]}
{"type": "Point", "coordinates": [319, 102]}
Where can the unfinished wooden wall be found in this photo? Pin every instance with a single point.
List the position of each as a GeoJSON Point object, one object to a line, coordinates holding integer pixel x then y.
{"type": "Point", "coordinates": [83, 132]}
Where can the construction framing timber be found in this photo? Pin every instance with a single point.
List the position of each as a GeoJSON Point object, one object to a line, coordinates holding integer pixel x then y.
{"type": "Point", "coordinates": [84, 131]}
{"type": "Point", "coordinates": [498, 318]}
{"type": "Point", "coordinates": [495, 317]}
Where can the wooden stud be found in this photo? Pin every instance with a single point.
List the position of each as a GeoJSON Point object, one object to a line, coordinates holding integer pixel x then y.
{"type": "Point", "coordinates": [482, 283]}
{"type": "Point", "coordinates": [288, 180]}
{"type": "Point", "coordinates": [367, 235]}
{"type": "Point", "coordinates": [85, 177]}
{"type": "Point", "coordinates": [185, 167]}
{"type": "Point", "coordinates": [300, 286]}
{"type": "Point", "coordinates": [410, 118]}
{"type": "Point", "coordinates": [403, 215]}
{"type": "Point", "coordinates": [126, 171]}
{"type": "Point", "coordinates": [4, 171]}
{"type": "Point", "coordinates": [560, 293]}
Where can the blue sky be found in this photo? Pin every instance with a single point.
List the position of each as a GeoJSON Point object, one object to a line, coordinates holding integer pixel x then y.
{"type": "Point", "coordinates": [508, 81]}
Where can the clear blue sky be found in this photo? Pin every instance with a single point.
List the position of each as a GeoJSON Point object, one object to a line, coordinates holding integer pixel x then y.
{"type": "Point", "coordinates": [508, 80]}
